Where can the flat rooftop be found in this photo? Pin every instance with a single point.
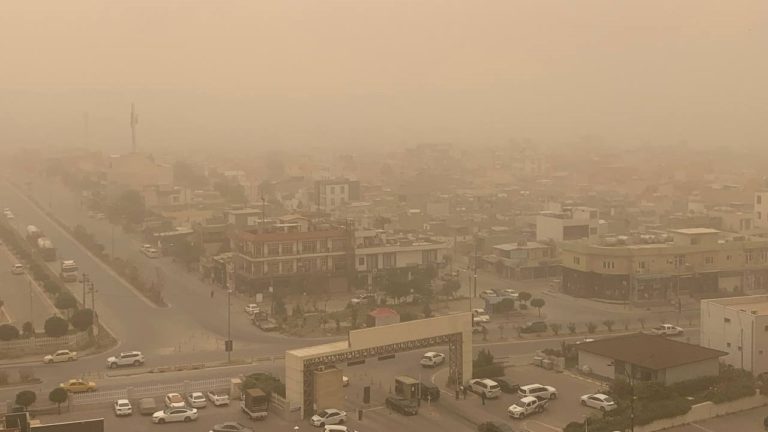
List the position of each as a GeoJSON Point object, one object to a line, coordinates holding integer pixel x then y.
{"type": "Point", "coordinates": [755, 305]}
{"type": "Point", "coordinates": [696, 231]}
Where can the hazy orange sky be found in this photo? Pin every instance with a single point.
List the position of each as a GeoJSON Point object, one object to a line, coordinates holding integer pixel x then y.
{"type": "Point", "coordinates": [373, 73]}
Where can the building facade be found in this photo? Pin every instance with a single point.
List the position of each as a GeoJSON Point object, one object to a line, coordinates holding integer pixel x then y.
{"type": "Point", "coordinates": [525, 260]}
{"type": "Point", "coordinates": [694, 262]}
{"type": "Point", "coordinates": [738, 326]}
{"type": "Point", "coordinates": [333, 193]}
{"type": "Point", "coordinates": [376, 251]}
{"type": "Point", "coordinates": [761, 210]}
{"type": "Point", "coordinates": [572, 223]}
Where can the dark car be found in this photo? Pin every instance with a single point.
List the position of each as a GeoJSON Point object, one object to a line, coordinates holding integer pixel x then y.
{"type": "Point", "coordinates": [534, 327]}
{"type": "Point", "coordinates": [231, 427]}
{"type": "Point", "coordinates": [402, 405]}
{"type": "Point", "coordinates": [506, 386]}
{"type": "Point", "coordinates": [430, 392]}
{"type": "Point", "coordinates": [494, 426]}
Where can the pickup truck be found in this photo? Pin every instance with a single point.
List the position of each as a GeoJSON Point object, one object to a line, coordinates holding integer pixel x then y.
{"type": "Point", "coordinates": [526, 406]}
{"type": "Point", "coordinates": [218, 398]}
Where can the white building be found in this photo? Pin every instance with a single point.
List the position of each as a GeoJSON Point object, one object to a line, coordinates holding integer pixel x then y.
{"type": "Point", "coordinates": [761, 209]}
{"type": "Point", "coordinates": [572, 223]}
{"type": "Point", "coordinates": [333, 193]}
{"type": "Point", "coordinates": [738, 326]}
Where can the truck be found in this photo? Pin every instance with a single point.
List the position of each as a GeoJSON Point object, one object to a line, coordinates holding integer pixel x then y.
{"type": "Point", "coordinates": [526, 406]}
{"type": "Point", "coordinates": [33, 233]}
{"type": "Point", "coordinates": [255, 404]}
{"type": "Point", "coordinates": [69, 271]}
{"type": "Point", "coordinates": [45, 249]}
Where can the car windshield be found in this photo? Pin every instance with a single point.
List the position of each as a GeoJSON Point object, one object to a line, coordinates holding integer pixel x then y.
{"type": "Point", "coordinates": [608, 399]}
{"type": "Point", "coordinates": [494, 387]}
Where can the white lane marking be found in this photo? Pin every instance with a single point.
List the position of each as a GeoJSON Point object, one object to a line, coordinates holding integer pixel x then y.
{"type": "Point", "coordinates": [701, 427]}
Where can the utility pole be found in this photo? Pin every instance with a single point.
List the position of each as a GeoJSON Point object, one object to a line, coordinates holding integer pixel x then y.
{"type": "Point", "coordinates": [134, 122]}
{"type": "Point", "coordinates": [477, 241]}
{"type": "Point", "coordinates": [85, 283]}
{"type": "Point", "coordinates": [31, 306]}
{"type": "Point", "coordinates": [112, 253]}
{"type": "Point", "coordinates": [228, 346]}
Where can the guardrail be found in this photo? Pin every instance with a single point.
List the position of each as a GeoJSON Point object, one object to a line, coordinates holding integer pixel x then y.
{"type": "Point", "coordinates": [149, 391]}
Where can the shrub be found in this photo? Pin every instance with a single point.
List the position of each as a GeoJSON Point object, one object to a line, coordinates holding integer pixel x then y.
{"type": "Point", "coordinates": [28, 329]}
{"type": "Point", "coordinates": [56, 326]}
{"type": "Point", "coordinates": [609, 325]}
{"type": "Point", "coordinates": [52, 287]}
{"type": "Point", "coordinates": [572, 327]}
{"type": "Point", "coordinates": [65, 300]}
{"type": "Point", "coordinates": [268, 383]}
{"type": "Point", "coordinates": [58, 396]}
{"type": "Point", "coordinates": [25, 398]}
{"type": "Point", "coordinates": [82, 320]}
{"type": "Point", "coordinates": [591, 327]}
{"type": "Point", "coordinates": [408, 316]}
{"type": "Point", "coordinates": [8, 332]}
{"type": "Point", "coordinates": [555, 327]}
{"type": "Point", "coordinates": [491, 371]}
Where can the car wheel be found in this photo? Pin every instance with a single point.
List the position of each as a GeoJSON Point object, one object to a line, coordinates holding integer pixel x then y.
{"type": "Point", "coordinates": [583, 403]}
{"type": "Point", "coordinates": [341, 421]}
{"type": "Point", "coordinates": [553, 396]}
{"type": "Point", "coordinates": [187, 419]}
{"type": "Point", "coordinates": [113, 365]}
{"type": "Point", "coordinates": [602, 409]}
{"type": "Point", "coordinates": [136, 363]}
{"type": "Point", "coordinates": [322, 424]}
{"type": "Point", "coordinates": [71, 359]}
{"type": "Point", "coordinates": [49, 361]}
{"type": "Point", "coordinates": [161, 421]}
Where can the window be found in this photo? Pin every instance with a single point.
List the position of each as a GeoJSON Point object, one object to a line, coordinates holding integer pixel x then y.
{"type": "Point", "coordinates": [273, 267]}
{"type": "Point", "coordinates": [361, 261]}
{"type": "Point", "coordinates": [428, 256]}
{"type": "Point", "coordinates": [333, 190]}
{"type": "Point", "coordinates": [257, 249]}
{"type": "Point", "coordinates": [306, 265]}
{"type": "Point", "coordinates": [337, 245]}
{"type": "Point", "coordinates": [727, 344]}
{"type": "Point", "coordinates": [333, 202]}
{"type": "Point", "coordinates": [765, 328]}
{"type": "Point", "coordinates": [728, 258]}
{"type": "Point", "coordinates": [273, 249]}
{"type": "Point", "coordinates": [608, 265]}
{"type": "Point", "coordinates": [709, 260]}
{"type": "Point", "coordinates": [308, 246]}
{"type": "Point", "coordinates": [726, 320]}
{"type": "Point", "coordinates": [760, 352]}
{"type": "Point", "coordinates": [286, 267]}
{"type": "Point", "coordinates": [759, 200]}
{"type": "Point", "coordinates": [577, 260]}
{"type": "Point", "coordinates": [679, 260]}
{"type": "Point", "coordinates": [286, 248]}
{"type": "Point", "coordinates": [390, 260]}
{"type": "Point", "coordinates": [759, 215]}
{"type": "Point", "coordinates": [642, 265]}
{"type": "Point", "coordinates": [739, 347]}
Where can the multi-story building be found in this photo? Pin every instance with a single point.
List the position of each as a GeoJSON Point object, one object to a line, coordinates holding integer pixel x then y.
{"type": "Point", "coordinates": [525, 260]}
{"type": "Point", "coordinates": [284, 251]}
{"type": "Point", "coordinates": [333, 193]}
{"type": "Point", "coordinates": [377, 251]}
{"type": "Point", "coordinates": [761, 209]}
{"type": "Point", "coordinates": [663, 267]}
{"type": "Point", "coordinates": [572, 223]}
{"type": "Point", "coordinates": [738, 326]}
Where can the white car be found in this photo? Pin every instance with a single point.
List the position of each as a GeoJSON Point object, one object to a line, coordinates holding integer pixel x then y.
{"type": "Point", "coordinates": [149, 251]}
{"type": "Point", "coordinates": [174, 400]}
{"type": "Point", "coordinates": [17, 269]}
{"type": "Point", "coordinates": [488, 293]}
{"type": "Point", "coordinates": [511, 293]}
{"type": "Point", "coordinates": [129, 358]}
{"type": "Point", "coordinates": [479, 311]}
{"type": "Point", "coordinates": [538, 390]}
{"type": "Point", "coordinates": [335, 428]}
{"type": "Point", "coordinates": [328, 417]}
{"type": "Point", "coordinates": [485, 386]}
{"type": "Point", "coordinates": [9, 214]}
{"type": "Point", "coordinates": [217, 398]}
{"type": "Point", "coordinates": [174, 415]}
{"type": "Point", "coordinates": [60, 356]}
{"type": "Point", "coordinates": [432, 359]}
{"type": "Point", "coordinates": [197, 400]}
{"type": "Point", "coordinates": [344, 381]}
{"type": "Point", "coordinates": [600, 401]}
{"type": "Point", "coordinates": [667, 330]}
{"type": "Point", "coordinates": [481, 319]}
{"type": "Point", "coordinates": [252, 308]}
{"type": "Point", "coordinates": [122, 407]}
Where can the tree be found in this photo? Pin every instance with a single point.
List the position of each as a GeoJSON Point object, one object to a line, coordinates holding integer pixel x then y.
{"type": "Point", "coordinates": [28, 329]}
{"type": "Point", "coordinates": [52, 287]}
{"type": "Point", "coordinates": [65, 300]}
{"type": "Point", "coordinates": [8, 332]}
{"type": "Point", "coordinates": [591, 327]}
{"type": "Point", "coordinates": [82, 320]}
{"type": "Point", "coordinates": [642, 322]}
{"type": "Point", "coordinates": [396, 285]}
{"type": "Point", "coordinates": [130, 205]}
{"type": "Point", "coordinates": [279, 310]}
{"type": "Point", "coordinates": [538, 303]}
{"type": "Point", "coordinates": [572, 327]}
{"type": "Point", "coordinates": [524, 296]}
{"type": "Point", "coordinates": [555, 327]}
{"type": "Point", "coordinates": [609, 325]}
{"type": "Point", "coordinates": [58, 396]}
{"type": "Point", "coordinates": [187, 175]}
{"type": "Point", "coordinates": [56, 326]}
{"type": "Point", "coordinates": [427, 310]}
{"type": "Point", "coordinates": [25, 398]}
{"type": "Point", "coordinates": [450, 287]}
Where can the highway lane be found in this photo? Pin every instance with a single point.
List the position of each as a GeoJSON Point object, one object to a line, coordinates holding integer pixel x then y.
{"type": "Point", "coordinates": [23, 300]}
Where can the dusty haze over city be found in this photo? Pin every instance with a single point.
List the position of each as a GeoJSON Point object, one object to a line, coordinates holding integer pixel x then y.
{"type": "Point", "coordinates": [383, 73]}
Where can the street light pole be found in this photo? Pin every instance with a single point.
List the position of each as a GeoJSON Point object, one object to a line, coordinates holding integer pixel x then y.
{"type": "Point", "coordinates": [229, 324]}
{"type": "Point", "coordinates": [85, 283]}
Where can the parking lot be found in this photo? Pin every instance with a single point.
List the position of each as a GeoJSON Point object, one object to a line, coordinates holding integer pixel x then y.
{"type": "Point", "coordinates": [750, 420]}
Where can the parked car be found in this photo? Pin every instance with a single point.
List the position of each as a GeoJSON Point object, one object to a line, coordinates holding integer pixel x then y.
{"type": "Point", "coordinates": [585, 340]}
{"type": "Point", "coordinates": [534, 327]}
{"type": "Point", "coordinates": [122, 407]}
{"type": "Point", "coordinates": [147, 406]}
{"type": "Point", "coordinates": [600, 401]}
{"type": "Point", "coordinates": [60, 356]}
{"type": "Point", "coordinates": [129, 358]}
{"type": "Point", "coordinates": [432, 359]}
{"type": "Point", "coordinates": [538, 390]}
{"type": "Point", "coordinates": [479, 311]}
{"type": "Point", "coordinates": [218, 399]}
{"type": "Point", "coordinates": [481, 319]}
{"type": "Point", "coordinates": [667, 330]}
{"type": "Point", "coordinates": [252, 308]}
{"type": "Point", "coordinates": [230, 427]}
{"type": "Point", "coordinates": [174, 400]}
{"type": "Point", "coordinates": [485, 386]}
{"type": "Point", "coordinates": [506, 386]}
{"type": "Point", "coordinates": [363, 299]}
{"type": "Point", "coordinates": [268, 325]}
{"type": "Point", "coordinates": [17, 269]}
{"type": "Point", "coordinates": [174, 415]}
{"type": "Point", "coordinates": [513, 294]}
{"type": "Point", "coordinates": [488, 293]}
{"type": "Point", "coordinates": [402, 405]}
{"type": "Point", "coordinates": [78, 386]}
{"type": "Point", "coordinates": [149, 251]}
{"type": "Point", "coordinates": [197, 400]}
{"type": "Point", "coordinates": [526, 406]}
{"type": "Point", "coordinates": [328, 416]}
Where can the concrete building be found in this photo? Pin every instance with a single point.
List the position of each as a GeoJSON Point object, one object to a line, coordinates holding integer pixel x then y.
{"type": "Point", "coordinates": [738, 326]}
{"type": "Point", "coordinates": [525, 260]}
{"type": "Point", "coordinates": [648, 358]}
{"type": "Point", "coordinates": [286, 251]}
{"type": "Point", "coordinates": [379, 251]}
{"type": "Point", "coordinates": [137, 171]}
{"type": "Point", "coordinates": [761, 210]}
{"type": "Point", "coordinates": [333, 193]}
{"type": "Point", "coordinates": [382, 316]}
{"type": "Point", "coordinates": [572, 223]}
{"type": "Point", "coordinates": [664, 266]}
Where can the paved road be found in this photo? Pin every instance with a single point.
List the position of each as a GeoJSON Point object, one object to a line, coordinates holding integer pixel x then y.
{"type": "Point", "coordinates": [23, 300]}
{"type": "Point", "coordinates": [747, 421]}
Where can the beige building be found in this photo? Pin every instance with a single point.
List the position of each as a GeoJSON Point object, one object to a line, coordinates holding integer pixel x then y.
{"type": "Point", "coordinates": [738, 326]}
{"type": "Point", "coordinates": [761, 210]}
{"type": "Point", "coordinates": [648, 358]}
{"type": "Point", "coordinates": [377, 250]}
{"type": "Point", "coordinates": [137, 171]}
{"type": "Point", "coordinates": [525, 260]}
{"type": "Point", "coordinates": [571, 223]}
{"type": "Point", "coordinates": [663, 267]}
